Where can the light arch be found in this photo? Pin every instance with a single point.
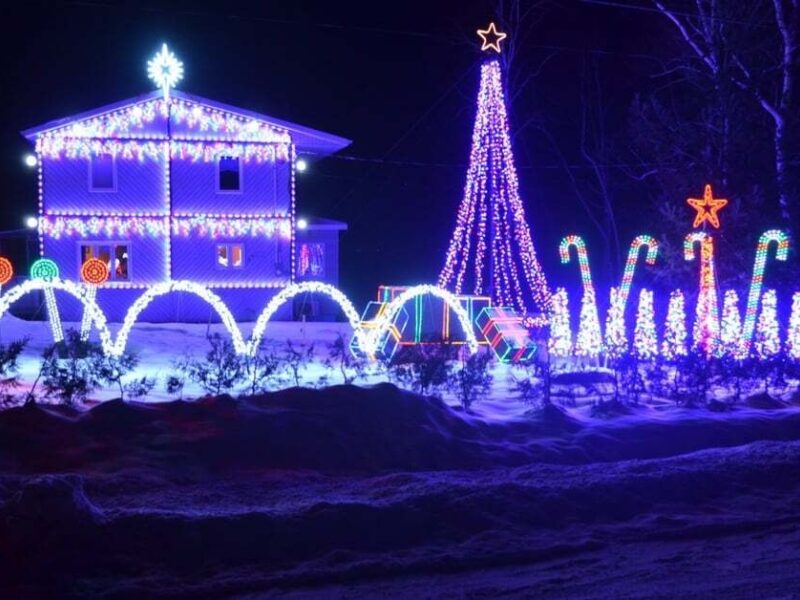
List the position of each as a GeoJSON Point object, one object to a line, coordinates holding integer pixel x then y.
{"type": "Point", "coordinates": [294, 289]}
{"type": "Point", "coordinates": [383, 322]}
{"type": "Point", "coordinates": [166, 287]}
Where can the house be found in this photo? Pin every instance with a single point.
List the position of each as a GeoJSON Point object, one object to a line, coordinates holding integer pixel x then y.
{"type": "Point", "coordinates": [172, 186]}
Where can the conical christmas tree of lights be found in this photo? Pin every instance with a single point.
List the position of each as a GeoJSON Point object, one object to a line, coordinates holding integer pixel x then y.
{"type": "Point", "coordinates": [768, 341]}
{"type": "Point", "coordinates": [560, 343]}
{"type": "Point", "coordinates": [730, 336]}
{"type": "Point", "coordinates": [674, 343]}
{"type": "Point", "coordinates": [616, 340]}
{"type": "Point", "coordinates": [491, 251]}
{"type": "Point", "coordinates": [793, 335]}
{"type": "Point", "coordinates": [645, 344]}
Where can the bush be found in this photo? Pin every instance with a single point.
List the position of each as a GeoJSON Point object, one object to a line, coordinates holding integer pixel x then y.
{"type": "Point", "coordinates": [341, 359]}
{"type": "Point", "coordinates": [260, 371]}
{"type": "Point", "coordinates": [139, 388]}
{"type": "Point", "coordinates": [9, 366]}
{"type": "Point", "coordinates": [221, 370]}
{"type": "Point", "coordinates": [296, 358]}
{"type": "Point", "coordinates": [473, 379]}
{"type": "Point", "coordinates": [73, 377]}
{"type": "Point", "coordinates": [423, 368]}
{"type": "Point", "coordinates": [111, 369]}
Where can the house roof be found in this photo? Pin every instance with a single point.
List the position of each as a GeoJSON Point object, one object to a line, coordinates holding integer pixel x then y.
{"type": "Point", "coordinates": [306, 139]}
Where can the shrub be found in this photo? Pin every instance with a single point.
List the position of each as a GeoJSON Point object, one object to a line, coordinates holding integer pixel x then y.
{"type": "Point", "coordinates": [139, 388]}
{"type": "Point", "coordinates": [9, 365]}
{"type": "Point", "coordinates": [221, 370]}
{"type": "Point", "coordinates": [424, 368]}
{"type": "Point", "coordinates": [111, 369]}
{"type": "Point", "coordinates": [474, 378]}
{"type": "Point", "coordinates": [68, 369]}
{"type": "Point", "coordinates": [260, 370]}
{"type": "Point", "coordinates": [341, 359]}
{"type": "Point", "coordinates": [296, 358]}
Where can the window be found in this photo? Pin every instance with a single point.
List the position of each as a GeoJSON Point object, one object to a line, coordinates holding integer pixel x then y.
{"type": "Point", "coordinates": [102, 173]}
{"type": "Point", "coordinates": [230, 177]}
{"type": "Point", "coordinates": [116, 256]}
{"type": "Point", "coordinates": [311, 260]}
{"type": "Point", "coordinates": [230, 256]}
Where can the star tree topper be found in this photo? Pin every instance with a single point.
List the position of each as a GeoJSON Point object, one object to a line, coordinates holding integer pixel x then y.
{"type": "Point", "coordinates": [165, 70]}
{"type": "Point", "coordinates": [491, 38]}
{"type": "Point", "coordinates": [707, 208]}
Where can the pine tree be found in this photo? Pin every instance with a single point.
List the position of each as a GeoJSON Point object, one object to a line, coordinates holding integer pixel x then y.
{"type": "Point", "coordinates": [645, 344]}
{"type": "Point", "coordinates": [674, 344]}
{"type": "Point", "coordinates": [491, 236]}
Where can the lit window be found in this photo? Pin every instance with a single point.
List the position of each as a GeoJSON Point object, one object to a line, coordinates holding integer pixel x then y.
{"type": "Point", "coordinates": [230, 179]}
{"type": "Point", "coordinates": [102, 173]}
{"type": "Point", "coordinates": [230, 256]}
{"type": "Point", "coordinates": [116, 257]}
{"type": "Point", "coordinates": [311, 260]}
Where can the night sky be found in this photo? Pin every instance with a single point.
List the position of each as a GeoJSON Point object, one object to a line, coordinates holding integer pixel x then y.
{"type": "Point", "coordinates": [399, 80]}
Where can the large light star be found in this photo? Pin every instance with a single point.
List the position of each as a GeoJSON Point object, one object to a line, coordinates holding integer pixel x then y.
{"type": "Point", "coordinates": [707, 208]}
{"type": "Point", "coordinates": [165, 70]}
{"type": "Point", "coordinates": [491, 38]}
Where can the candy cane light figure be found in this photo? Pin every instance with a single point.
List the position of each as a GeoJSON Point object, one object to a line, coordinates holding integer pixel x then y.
{"type": "Point", "coordinates": [94, 272]}
{"type": "Point", "coordinates": [47, 270]}
{"type": "Point", "coordinates": [705, 333]}
{"type": "Point", "coordinates": [6, 271]}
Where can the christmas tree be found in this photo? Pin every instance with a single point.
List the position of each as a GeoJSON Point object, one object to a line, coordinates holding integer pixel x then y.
{"type": "Point", "coordinates": [645, 345]}
{"type": "Point", "coordinates": [616, 340]}
{"type": "Point", "coordinates": [491, 250]}
{"type": "Point", "coordinates": [730, 337]}
{"type": "Point", "coordinates": [793, 335]}
{"type": "Point", "coordinates": [768, 341]}
{"type": "Point", "coordinates": [674, 344]}
{"type": "Point", "coordinates": [560, 330]}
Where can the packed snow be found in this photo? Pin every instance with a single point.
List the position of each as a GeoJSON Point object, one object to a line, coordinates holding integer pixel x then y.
{"type": "Point", "coordinates": [372, 491]}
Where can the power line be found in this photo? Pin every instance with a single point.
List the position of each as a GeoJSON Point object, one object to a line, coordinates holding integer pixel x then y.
{"type": "Point", "coordinates": [652, 9]}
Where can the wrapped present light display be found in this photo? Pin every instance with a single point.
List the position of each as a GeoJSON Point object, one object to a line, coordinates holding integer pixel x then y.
{"type": "Point", "coordinates": [433, 316]}
{"type": "Point", "coordinates": [507, 335]}
{"type": "Point", "coordinates": [389, 341]}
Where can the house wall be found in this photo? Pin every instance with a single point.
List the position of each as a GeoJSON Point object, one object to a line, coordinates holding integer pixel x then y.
{"type": "Point", "coordinates": [266, 260]}
{"type": "Point", "coordinates": [265, 188]}
{"type": "Point", "coordinates": [146, 261]}
{"type": "Point", "coordinates": [140, 187]}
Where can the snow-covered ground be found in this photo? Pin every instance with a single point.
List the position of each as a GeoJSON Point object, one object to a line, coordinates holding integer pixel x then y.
{"type": "Point", "coordinates": [375, 492]}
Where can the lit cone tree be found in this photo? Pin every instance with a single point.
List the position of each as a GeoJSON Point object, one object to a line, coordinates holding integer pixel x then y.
{"type": "Point", "coordinates": [616, 340]}
{"type": "Point", "coordinates": [793, 335]}
{"type": "Point", "coordinates": [768, 341]}
{"type": "Point", "coordinates": [730, 336]}
{"type": "Point", "coordinates": [589, 341]}
{"type": "Point", "coordinates": [560, 343]}
{"type": "Point", "coordinates": [674, 344]}
{"type": "Point", "coordinates": [491, 251]}
{"type": "Point", "coordinates": [645, 344]}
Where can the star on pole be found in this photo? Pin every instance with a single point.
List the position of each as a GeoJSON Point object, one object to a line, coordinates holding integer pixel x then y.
{"type": "Point", "coordinates": [491, 38]}
{"type": "Point", "coordinates": [165, 70]}
{"type": "Point", "coordinates": [707, 208]}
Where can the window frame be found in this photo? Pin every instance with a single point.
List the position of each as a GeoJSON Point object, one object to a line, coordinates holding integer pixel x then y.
{"type": "Point", "coordinates": [219, 174]}
{"type": "Point", "coordinates": [112, 244]}
{"type": "Point", "coordinates": [228, 247]}
{"type": "Point", "coordinates": [113, 188]}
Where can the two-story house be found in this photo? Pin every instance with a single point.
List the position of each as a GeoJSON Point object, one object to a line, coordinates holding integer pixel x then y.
{"type": "Point", "coordinates": [177, 187]}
